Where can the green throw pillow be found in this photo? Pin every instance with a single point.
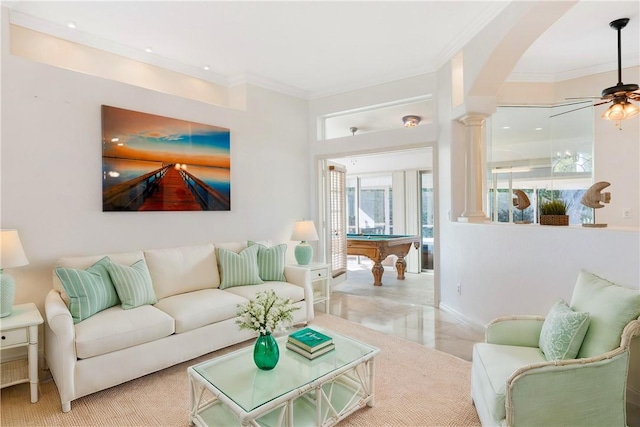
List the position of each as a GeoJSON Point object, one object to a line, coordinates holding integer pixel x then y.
{"type": "Point", "coordinates": [271, 262]}
{"type": "Point", "coordinates": [239, 269]}
{"type": "Point", "coordinates": [90, 291]}
{"type": "Point", "coordinates": [133, 284]}
{"type": "Point", "coordinates": [611, 307]}
{"type": "Point", "coordinates": [562, 332]}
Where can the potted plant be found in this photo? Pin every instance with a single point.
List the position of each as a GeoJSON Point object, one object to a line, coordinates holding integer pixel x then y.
{"type": "Point", "coordinates": [554, 212]}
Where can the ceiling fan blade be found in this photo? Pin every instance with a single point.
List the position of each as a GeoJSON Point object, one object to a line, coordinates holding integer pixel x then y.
{"type": "Point", "coordinates": [584, 101]}
{"type": "Point", "coordinates": [576, 109]}
{"type": "Point", "coordinates": [586, 97]}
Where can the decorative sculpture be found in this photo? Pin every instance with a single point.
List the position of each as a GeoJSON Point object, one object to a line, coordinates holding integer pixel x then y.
{"type": "Point", "coordinates": [521, 202]}
{"type": "Point", "coordinates": [593, 198]}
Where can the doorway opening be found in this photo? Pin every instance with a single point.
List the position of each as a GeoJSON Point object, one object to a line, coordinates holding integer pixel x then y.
{"type": "Point", "coordinates": [390, 193]}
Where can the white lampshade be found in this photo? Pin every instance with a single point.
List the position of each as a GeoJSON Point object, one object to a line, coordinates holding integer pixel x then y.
{"type": "Point", "coordinates": [11, 252]}
{"type": "Point", "coordinates": [304, 231]}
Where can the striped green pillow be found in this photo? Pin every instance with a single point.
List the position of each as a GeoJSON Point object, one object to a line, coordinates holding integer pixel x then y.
{"type": "Point", "coordinates": [133, 284]}
{"type": "Point", "coordinates": [90, 291]}
{"type": "Point", "coordinates": [239, 269]}
{"type": "Point", "coordinates": [271, 262]}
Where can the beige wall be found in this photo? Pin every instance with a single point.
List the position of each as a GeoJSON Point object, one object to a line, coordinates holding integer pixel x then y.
{"type": "Point", "coordinates": [51, 174]}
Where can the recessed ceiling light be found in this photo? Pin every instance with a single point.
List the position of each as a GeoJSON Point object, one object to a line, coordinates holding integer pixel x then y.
{"type": "Point", "coordinates": [206, 68]}
{"type": "Point", "coordinates": [538, 128]}
{"type": "Point", "coordinates": [506, 127]}
{"type": "Point", "coordinates": [148, 49]}
{"type": "Point", "coordinates": [71, 24]}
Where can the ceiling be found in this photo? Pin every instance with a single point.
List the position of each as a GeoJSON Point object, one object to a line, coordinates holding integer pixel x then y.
{"type": "Point", "coordinates": [316, 48]}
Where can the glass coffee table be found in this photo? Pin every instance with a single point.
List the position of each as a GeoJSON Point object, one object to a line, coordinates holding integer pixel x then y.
{"type": "Point", "coordinates": [231, 390]}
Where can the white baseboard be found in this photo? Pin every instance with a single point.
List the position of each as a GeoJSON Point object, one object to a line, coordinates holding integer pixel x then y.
{"type": "Point", "coordinates": [462, 318]}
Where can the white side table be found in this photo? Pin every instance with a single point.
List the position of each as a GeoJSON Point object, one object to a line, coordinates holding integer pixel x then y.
{"type": "Point", "coordinates": [20, 329]}
{"type": "Point", "coordinates": [319, 281]}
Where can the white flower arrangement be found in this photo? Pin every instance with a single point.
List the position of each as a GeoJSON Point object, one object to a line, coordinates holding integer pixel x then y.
{"type": "Point", "coordinates": [265, 313]}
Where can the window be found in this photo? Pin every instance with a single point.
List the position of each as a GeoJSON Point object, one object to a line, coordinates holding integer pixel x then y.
{"type": "Point", "coordinates": [369, 204]}
{"type": "Point", "coordinates": [374, 118]}
{"type": "Point", "coordinates": [544, 151]}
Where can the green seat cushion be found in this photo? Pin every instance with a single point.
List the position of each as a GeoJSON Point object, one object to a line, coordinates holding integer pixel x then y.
{"type": "Point", "coordinates": [271, 261]}
{"type": "Point", "coordinates": [492, 366]}
{"type": "Point", "coordinates": [562, 332]}
{"type": "Point", "coordinates": [611, 307]}
{"type": "Point", "coordinates": [133, 284]}
{"type": "Point", "coordinates": [239, 269]}
{"type": "Point", "coordinates": [90, 291]}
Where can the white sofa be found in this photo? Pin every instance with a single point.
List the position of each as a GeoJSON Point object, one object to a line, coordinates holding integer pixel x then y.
{"type": "Point", "coordinates": [192, 317]}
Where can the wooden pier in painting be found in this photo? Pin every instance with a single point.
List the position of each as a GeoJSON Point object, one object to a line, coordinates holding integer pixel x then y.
{"type": "Point", "coordinates": [172, 194]}
{"type": "Point", "coordinates": [165, 189]}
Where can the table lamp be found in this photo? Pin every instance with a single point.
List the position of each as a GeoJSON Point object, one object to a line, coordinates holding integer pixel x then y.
{"type": "Point", "coordinates": [11, 255]}
{"type": "Point", "coordinates": [304, 231]}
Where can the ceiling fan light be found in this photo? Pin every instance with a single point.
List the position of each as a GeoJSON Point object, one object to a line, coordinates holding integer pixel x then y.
{"type": "Point", "coordinates": [630, 110]}
{"type": "Point", "coordinates": [615, 112]}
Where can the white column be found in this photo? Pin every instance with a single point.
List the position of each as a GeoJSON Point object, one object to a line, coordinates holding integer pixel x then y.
{"type": "Point", "coordinates": [474, 169]}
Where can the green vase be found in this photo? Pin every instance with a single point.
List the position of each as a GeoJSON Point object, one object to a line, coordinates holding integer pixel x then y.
{"type": "Point", "coordinates": [265, 352]}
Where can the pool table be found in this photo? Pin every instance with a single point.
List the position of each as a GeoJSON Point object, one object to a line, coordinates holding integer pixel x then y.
{"type": "Point", "coordinates": [377, 247]}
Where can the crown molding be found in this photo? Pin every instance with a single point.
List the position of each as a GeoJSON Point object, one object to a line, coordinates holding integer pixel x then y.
{"type": "Point", "coordinates": [468, 33]}
{"type": "Point", "coordinates": [268, 84]}
{"type": "Point", "coordinates": [517, 77]}
{"type": "Point", "coordinates": [86, 39]}
{"type": "Point", "coordinates": [336, 90]}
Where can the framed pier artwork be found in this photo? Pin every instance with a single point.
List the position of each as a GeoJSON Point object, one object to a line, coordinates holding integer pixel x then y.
{"type": "Point", "coordinates": [155, 163]}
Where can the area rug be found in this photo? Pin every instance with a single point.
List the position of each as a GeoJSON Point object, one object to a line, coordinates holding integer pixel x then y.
{"type": "Point", "coordinates": [415, 386]}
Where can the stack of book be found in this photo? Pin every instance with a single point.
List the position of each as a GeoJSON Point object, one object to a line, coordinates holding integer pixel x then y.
{"type": "Point", "coordinates": [310, 343]}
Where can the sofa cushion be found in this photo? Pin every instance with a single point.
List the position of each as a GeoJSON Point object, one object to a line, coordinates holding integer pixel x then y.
{"type": "Point", "coordinates": [133, 284]}
{"type": "Point", "coordinates": [116, 328]}
{"type": "Point", "coordinates": [611, 307]}
{"type": "Point", "coordinates": [85, 262]}
{"type": "Point", "coordinates": [90, 290]}
{"type": "Point", "coordinates": [271, 261]}
{"type": "Point", "coordinates": [282, 289]}
{"type": "Point", "coordinates": [493, 364]}
{"type": "Point", "coordinates": [239, 269]}
{"type": "Point", "coordinates": [178, 270]}
{"type": "Point", "coordinates": [562, 332]}
{"type": "Point", "coordinates": [200, 308]}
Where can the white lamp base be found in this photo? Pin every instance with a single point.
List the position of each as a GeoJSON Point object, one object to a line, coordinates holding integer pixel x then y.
{"type": "Point", "coordinates": [7, 294]}
{"type": "Point", "coordinates": [303, 253]}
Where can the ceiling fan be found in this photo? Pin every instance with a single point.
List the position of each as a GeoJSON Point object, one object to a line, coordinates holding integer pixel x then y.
{"type": "Point", "coordinates": [619, 95]}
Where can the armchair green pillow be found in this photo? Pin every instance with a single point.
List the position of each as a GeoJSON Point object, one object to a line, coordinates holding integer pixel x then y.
{"type": "Point", "coordinates": [562, 332]}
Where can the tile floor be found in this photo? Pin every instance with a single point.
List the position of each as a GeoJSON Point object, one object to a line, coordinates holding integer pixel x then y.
{"type": "Point", "coordinates": [404, 308]}
{"type": "Point", "coordinates": [401, 307]}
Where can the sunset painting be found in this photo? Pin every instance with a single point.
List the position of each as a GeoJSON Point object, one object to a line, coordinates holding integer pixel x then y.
{"type": "Point", "coordinates": [155, 163]}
